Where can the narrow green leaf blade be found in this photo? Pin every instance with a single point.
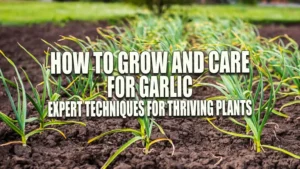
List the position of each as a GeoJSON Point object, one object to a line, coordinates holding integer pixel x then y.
{"type": "Point", "coordinates": [120, 150]}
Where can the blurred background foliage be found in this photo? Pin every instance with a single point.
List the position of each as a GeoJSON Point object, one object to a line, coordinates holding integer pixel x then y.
{"type": "Point", "coordinates": [20, 12]}
{"type": "Point", "coordinates": [160, 6]}
{"type": "Point", "coordinates": [169, 2]}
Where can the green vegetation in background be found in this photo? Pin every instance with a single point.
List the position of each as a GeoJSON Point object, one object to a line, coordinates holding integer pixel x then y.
{"type": "Point", "coordinates": [20, 13]}
{"type": "Point", "coordinates": [160, 6]}
{"type": "Point", "coordinates": [255, 14]}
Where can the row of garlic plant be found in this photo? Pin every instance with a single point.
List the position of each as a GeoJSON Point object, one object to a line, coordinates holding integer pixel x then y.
{"type": "Point", "coordinates": [274, 67]}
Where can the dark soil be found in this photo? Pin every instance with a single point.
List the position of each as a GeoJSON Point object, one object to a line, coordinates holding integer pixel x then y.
{"type": "Point", "coordinates": [198, 144]}
{"type": "Point", "coordinates": [270, 31]}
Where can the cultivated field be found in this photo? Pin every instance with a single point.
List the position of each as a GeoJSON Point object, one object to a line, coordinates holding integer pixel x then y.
{"type": "Point", "coordinates": [268, 139]}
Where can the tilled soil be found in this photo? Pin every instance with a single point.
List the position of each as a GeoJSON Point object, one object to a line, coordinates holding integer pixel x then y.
{"type": "Point", "coordinates": [198, 144]}
{"type": "Point", "coordinates": [273, 30]}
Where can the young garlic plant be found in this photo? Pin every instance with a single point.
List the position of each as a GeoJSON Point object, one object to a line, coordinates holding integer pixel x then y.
{"type": "Point", "coordinates": [19, 109]}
